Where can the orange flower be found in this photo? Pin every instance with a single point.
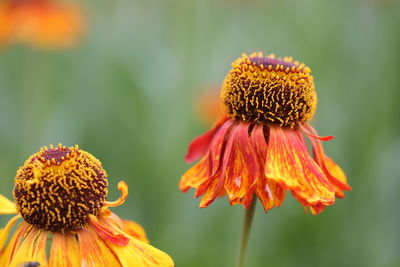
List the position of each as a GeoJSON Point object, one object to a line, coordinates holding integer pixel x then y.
{"type": "Point", "coordinates": [61, 195]}
{"type": "Point", "coordinates": [259, 146]}
{"type": "Point", "coordinates": [40, 23]}
{"type": "Point", "coordinates": [208, 105]}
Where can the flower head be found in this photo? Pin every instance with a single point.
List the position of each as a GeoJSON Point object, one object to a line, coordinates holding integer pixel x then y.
{"type": "Point", "coordinates": [61, 194]}
{"type": "Point", "coordinates": [41, 23]}
{"type": "Point", "coordinates": [258, 147]}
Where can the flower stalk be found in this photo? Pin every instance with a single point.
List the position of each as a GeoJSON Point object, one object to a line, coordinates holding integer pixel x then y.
{"type": "Point", "coordinates": [247, 222]}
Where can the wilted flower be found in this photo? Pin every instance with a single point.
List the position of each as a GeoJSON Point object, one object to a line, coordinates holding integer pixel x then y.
{"type": "Point", "coordinates": [258, 147]}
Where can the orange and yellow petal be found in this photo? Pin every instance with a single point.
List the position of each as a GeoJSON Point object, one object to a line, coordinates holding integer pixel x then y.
{"type": "Point", "coordinates": [135, 252]}
{"type": "Point", "coordinates": [129, 227]}
{"type": "Point", "coordinates": [289, 163]}
{"type": "Point", "coordinates": [94, 251]}
{"type": "Point", "coordinates": [65, 250]}
{"type": "Point", "coordinates": [7, 253]}
{"type": "Point", "coordinates": [5, 231]}
{"type": "Point", "coordinates": [32, 248]}
{"type": "Point", "coordinates": [6, 206]}
{"type": "Point", "coordinates": [135, 230]}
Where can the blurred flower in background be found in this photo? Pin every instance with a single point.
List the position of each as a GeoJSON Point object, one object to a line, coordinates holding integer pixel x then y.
{"type": "Point", "coordinates": [46, 24]}
{"type": "Point", "coordinates": [259, 147]}
{"type": "Point", "coordinates": [208, 105]}
{"type": "Point", "coordinates": [61, 194]}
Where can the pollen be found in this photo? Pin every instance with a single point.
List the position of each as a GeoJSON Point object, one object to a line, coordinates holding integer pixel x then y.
{"type": "Point", "coordinates": [269, 90]}
{"type": "Point", "coordinates": [59, 187]}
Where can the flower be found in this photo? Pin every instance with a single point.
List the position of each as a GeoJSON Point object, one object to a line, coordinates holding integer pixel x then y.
{"type": "Point", "coordinates": [61, 195]}
{"type": "Point", "coordinates": [45, 24]}
{"type": "Point", "coordinates": [208, 105]}
{"type": "Point", "coordinates": [258, 146]}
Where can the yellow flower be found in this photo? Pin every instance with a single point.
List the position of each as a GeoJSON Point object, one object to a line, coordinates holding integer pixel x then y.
{"type": "Point", "coordinates": [61, 194]}
{"type": "Point", "coordinates": [258, 147]}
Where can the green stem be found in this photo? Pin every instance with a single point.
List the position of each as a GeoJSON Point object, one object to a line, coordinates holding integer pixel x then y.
{"type": "Point", "coordinates": [248, 219]}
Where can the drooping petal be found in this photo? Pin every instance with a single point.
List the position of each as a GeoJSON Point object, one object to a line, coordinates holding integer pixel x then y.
{"type": "Point", "coordinates": [94, 251]}
{"type": "Point", "coordinates": [268, 191]}
{"type": "Point", "coordinates": [136, 252]}
{"type": "Point", "coordinates": [33, 248]}
{"type": "Point", "coordinates": [6, 206]}
{"type": "Point", "coordinates": [210, 189]}
{"type": "Point", "coordinates": [7, 253]}
{"type": "Point", "coordinates": [240, 165]}
{"type": "Point", "coordinates": [195, 176]}
{"type": "Point", "coordinates": [203, 174]}
{"type": "Point", "coordinates": [200, 145]}
{"type": "Point", "coordinates": [65, 251]}
{"type": "Point", "coordinates": [333, 172]}
{"type": "Point", "coordinates": [4, 232]}
{"type": "Point", "coordinates": [289, 163]}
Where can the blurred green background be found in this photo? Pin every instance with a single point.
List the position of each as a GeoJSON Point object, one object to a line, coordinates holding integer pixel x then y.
{"type": "Point", "coordinates": [126, 94]}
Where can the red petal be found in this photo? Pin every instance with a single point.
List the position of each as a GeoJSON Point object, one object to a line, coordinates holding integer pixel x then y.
{"type": "Point", "coordinates": [240, 165]}
{"type": "Point", "coordinates": [268, 191]}
{"type": "Point", "coordinates": [199, 146]}
{"type": "Point", "coordinates": [334, 173]}
{"type": "Point", "coordinates": [201, 175]}
{"type": "Point", "coordinates": [315, 135]}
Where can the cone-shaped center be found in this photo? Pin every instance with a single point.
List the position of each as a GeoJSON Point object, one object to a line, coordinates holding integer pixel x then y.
{"type": "Point", "coordinates": [269, 90]}
{"type": "Point", "coordinates": [57, 188]}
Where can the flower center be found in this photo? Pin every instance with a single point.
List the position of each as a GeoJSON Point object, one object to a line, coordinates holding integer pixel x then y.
{"type": "Point", "coordinates": [269, 90]}
{"type": "Point", "coordinates": [58, 188]}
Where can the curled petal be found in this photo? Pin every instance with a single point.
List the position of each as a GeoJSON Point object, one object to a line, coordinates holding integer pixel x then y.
{"type": "Point", "coordinates": [123, 187]}
{"type": "Point", "coordinates": [316, 136]}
